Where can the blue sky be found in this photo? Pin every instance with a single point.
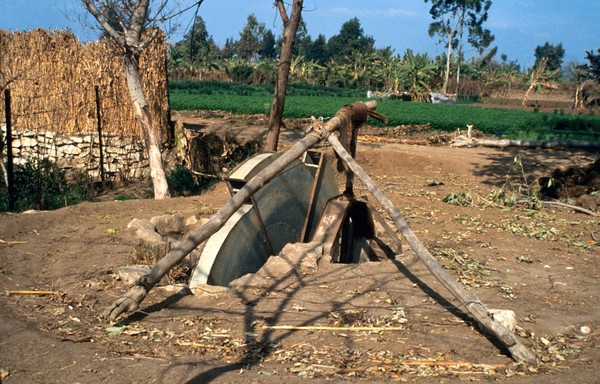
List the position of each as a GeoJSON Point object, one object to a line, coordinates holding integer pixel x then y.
{"type": "Point", "coordinates": [519, 25]}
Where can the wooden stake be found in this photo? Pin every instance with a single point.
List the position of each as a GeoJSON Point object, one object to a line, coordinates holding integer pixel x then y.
{"type": "Point", "coordinates": [318, 328]}
{"type": "Point", "coordinates": [10, 174]}
{"type": "Point", "coordinates": [22, 292]}
{"type": "Point", "coordinates": [473, 305]}
{"type": "Point", "coordinates": [10, 242]}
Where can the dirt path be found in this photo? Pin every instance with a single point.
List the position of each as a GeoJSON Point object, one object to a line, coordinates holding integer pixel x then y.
{"type": "Point", "coordinates": [544, 265]}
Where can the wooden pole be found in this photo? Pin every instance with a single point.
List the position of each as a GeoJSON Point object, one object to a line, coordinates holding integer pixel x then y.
{"type": "Point", "coordinates": [99, 118]}
{"type": "Point", "coordinates": [473, 305]}
{"type": "Point", "coordinates": [290, 26]}
{"type": "Point", "coordinates": [170, 122]}
{"type": "Point", "coordinates": [10, 174]}
{"type": "Point", "coordinates": [132, 298]}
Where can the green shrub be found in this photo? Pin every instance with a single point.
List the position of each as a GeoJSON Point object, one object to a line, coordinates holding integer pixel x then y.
{"type": "Point", "coordinates": [182, 182]}
{"type": "Point", "coordinates": [42, 185]}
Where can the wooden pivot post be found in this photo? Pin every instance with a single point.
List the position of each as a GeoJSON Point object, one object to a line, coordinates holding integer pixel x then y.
{"type": "Point", "coordinates": [518, 351]}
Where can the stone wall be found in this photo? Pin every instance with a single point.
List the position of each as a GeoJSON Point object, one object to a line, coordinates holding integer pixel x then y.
{"type": "Point", "coordinates": [124, 157]}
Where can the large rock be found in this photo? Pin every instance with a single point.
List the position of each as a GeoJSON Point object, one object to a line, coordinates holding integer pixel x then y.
{"type": "Point", "coordinates": [131, 274]}
{"type": "Point", "coordinates": [145, 231]}
{"type": "Point", "coordinates": [505, 317]}
{"type": "Point", "coordinates": [169, 224]}
{"type": "Point", "coordinates": [71, 150]}
{"type": "Point", "coordinates": [300, 259]}
{"type": "Point", "coordinates": [141, 224]}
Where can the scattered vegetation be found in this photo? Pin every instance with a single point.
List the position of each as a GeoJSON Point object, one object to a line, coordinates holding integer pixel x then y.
{"type": "Point", "coordinates": [516, 188]}
{"type": "Point", "coordinates": [42, 185]}
{"type": "Point", "coordinates": [461, 198]}
{"type": "Point", "coordinates": [472, 273]}
{"type": "Point", "coordinates": [149, 254]}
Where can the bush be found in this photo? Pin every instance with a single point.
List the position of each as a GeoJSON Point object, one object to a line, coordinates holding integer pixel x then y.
{"type": "Point", "coordinates": [42, 185]}
{"type": "Point", "coordinates": [182, 182]}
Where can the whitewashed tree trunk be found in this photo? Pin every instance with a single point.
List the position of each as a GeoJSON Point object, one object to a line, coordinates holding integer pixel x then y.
{"type": "Point", "coordinates": [448, 55]}
{"type": "Point", "coordinates": [157, 173]}
{"type": "Point", "coordinates": [125, 23]}
{"type": "Point", "coordinates": [460, 50]}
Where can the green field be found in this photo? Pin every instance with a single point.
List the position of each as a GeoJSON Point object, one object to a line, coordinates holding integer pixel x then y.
{"type": "Point", "coordinates": [304, 101]}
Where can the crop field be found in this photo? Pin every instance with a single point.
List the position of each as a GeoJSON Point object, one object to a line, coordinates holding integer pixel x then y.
{"type": "Point", "coordinates": [304, 101]}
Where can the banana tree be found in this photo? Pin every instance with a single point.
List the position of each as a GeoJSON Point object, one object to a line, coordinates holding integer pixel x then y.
{"type": "Point", "coordinates": [337, 74]}
{"type": "Point", "coordinates": [379, 70]}
{"type": "Point", "coordinates": [313, 72]}
{"type": "Point", "coordinates": [358, 64]}
{"type": "Point", "coordinates": [419, 69]}
{"type": "Point", "coordinates": [265, 71]}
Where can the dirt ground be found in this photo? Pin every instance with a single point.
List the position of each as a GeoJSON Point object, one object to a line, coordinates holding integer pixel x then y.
{"type": "Point", "coordinates": [543, 264]}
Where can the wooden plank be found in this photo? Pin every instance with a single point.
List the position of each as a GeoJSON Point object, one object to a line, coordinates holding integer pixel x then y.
{"type": "Point", "coordinates": [330, 224]}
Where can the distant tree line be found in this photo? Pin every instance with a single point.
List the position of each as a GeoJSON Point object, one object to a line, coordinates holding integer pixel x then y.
{"type": "Point", "coordinates": [350, 58]}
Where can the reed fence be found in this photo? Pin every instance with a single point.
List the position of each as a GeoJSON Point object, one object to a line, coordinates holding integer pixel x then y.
{"type": "Point", "coordinates": [53, 80]}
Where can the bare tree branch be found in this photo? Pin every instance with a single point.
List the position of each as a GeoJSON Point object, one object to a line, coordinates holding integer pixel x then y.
{"type": "Point", "coordinates": [138, 20]}
{"type": "Point", "coordinates": [113, 33]}
{"type": "Point", "coordinates": [281, 7]}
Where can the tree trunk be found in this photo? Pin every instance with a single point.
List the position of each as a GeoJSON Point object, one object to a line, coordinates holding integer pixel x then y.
{"type": "Point", "coordinates": [448, 54]}
{"type": "Point", "coordinates": [462, 141]}
{"type": "Point", "coordinates": [289, 35]}
{"type": "Point", "coordinates": [579, 103]}
{"type": "Point", "coordinates": [450, 32]}
{"type": "Point", "coordinates": [157, 173]}
{"type": "Point", "coordinates": [537, 75]}
{"type": "Point", "coordinates": [456, 92]}
{"type": "Point", "coordinates": [460, 49]}
{"type": "Point", "coordinates": [125, 26]}
{"type": "Point", "coordinates": [526, 97]}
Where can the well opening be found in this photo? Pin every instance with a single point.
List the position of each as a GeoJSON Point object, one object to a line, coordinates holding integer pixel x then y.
{"type": "Point", "coordinates": [301, 204]}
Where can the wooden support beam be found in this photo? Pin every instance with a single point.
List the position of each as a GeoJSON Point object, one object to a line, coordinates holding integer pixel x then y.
{"type": "Point", "coordinates": [330, 225]}
{"type": "Point", "coordinates": [473, 305]}
{"type": "Point", "coordinates": [388, 230]}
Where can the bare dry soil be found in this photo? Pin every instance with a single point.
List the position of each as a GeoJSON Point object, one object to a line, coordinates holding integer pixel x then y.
{"type": "Point", "coordinates": [542, 264]}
